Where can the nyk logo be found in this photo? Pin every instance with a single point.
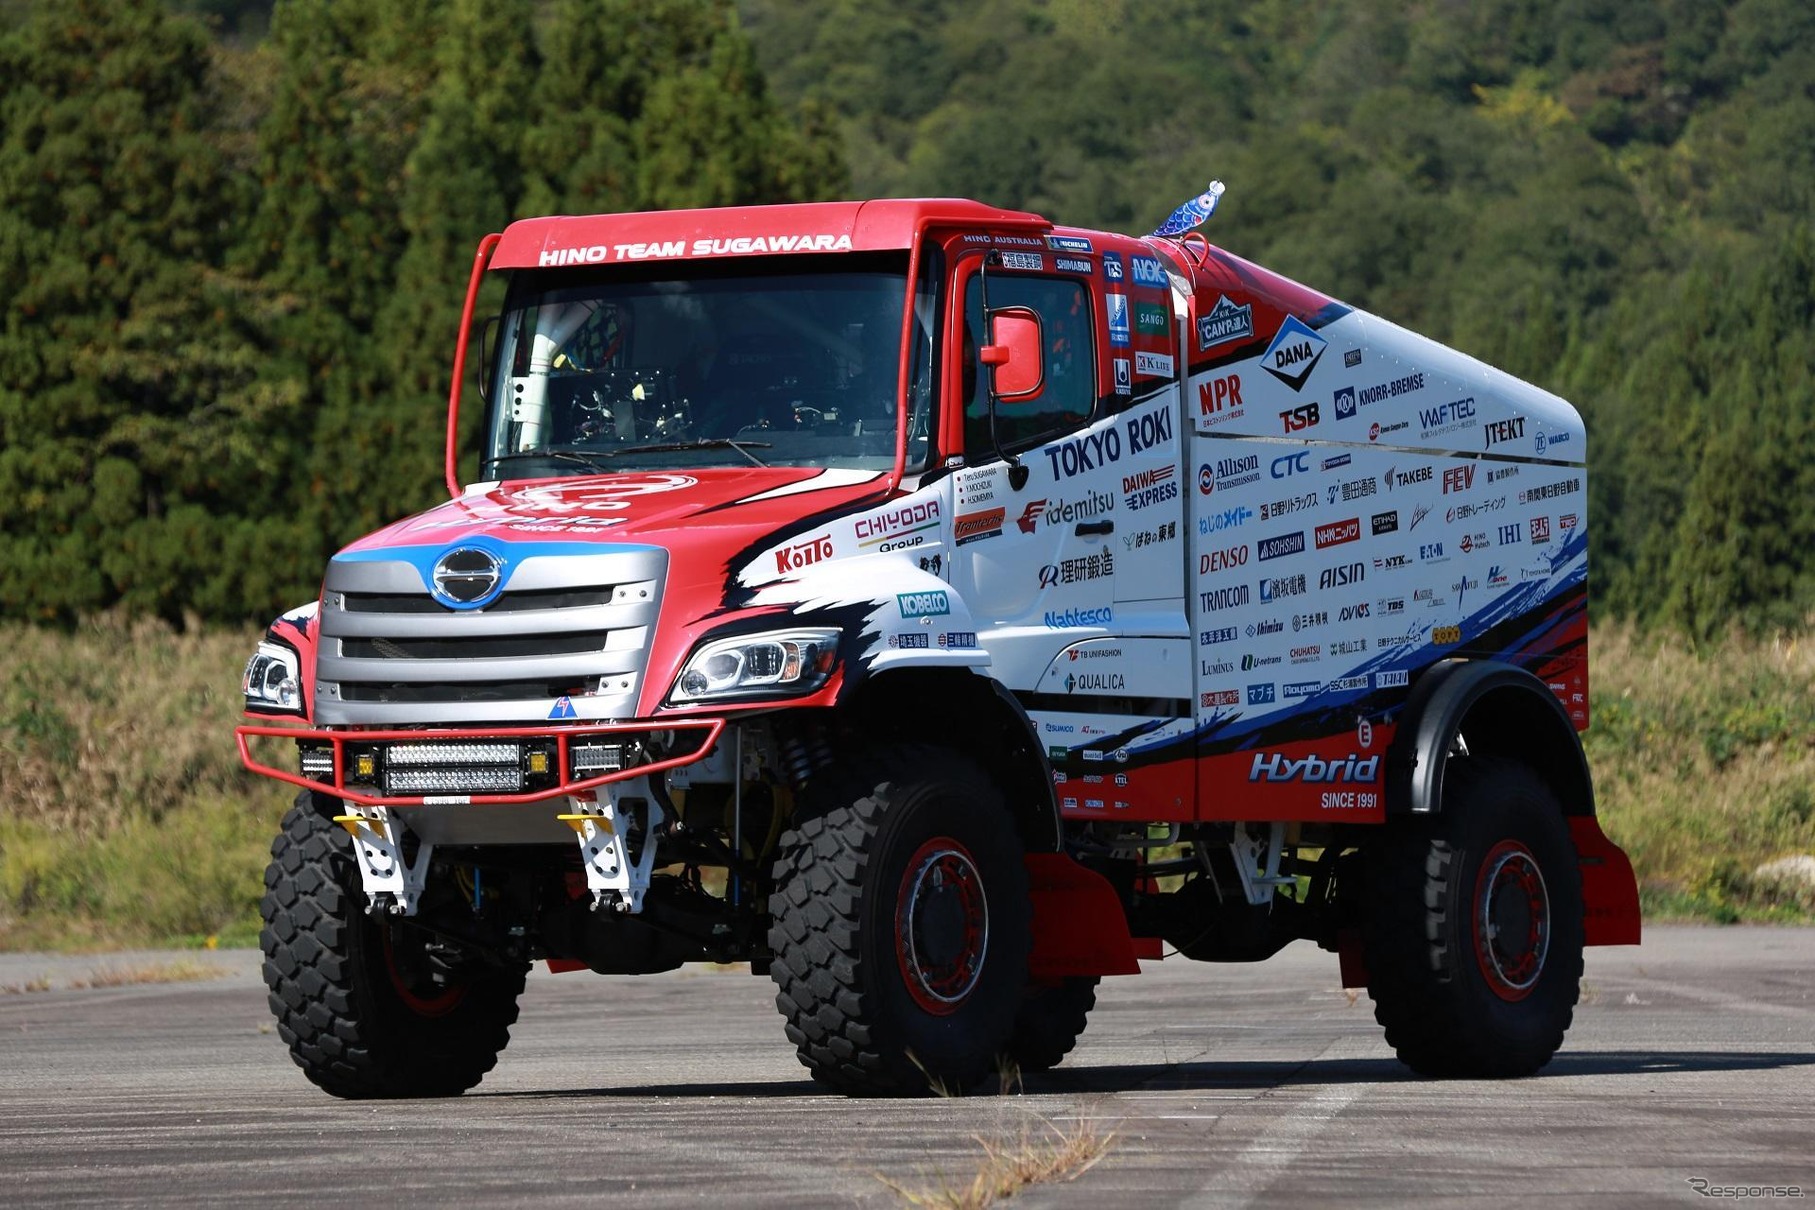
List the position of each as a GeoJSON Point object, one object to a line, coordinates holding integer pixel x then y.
{"type": "Point", "coordinates": [1275, 766]}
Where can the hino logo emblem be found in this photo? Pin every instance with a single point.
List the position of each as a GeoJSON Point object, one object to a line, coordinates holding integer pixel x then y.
{"type": "Point", "coordinates": [466, 577]}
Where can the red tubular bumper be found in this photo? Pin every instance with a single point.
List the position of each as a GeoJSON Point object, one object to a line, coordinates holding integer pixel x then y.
{"type": "Point", "coordinates": [560, 736]}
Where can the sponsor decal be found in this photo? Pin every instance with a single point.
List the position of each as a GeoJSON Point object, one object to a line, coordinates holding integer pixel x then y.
{"type": "Point", "coordinates": [1066, 264]}
{"type": "Point", "coordinates": [1112, 266]}
{"type": "Point", "coordinates": [1094, 566]}
{"type": "Point", "coordinates": [1210, 638]}
{"type": "Point", "coordinates": [1449, 417]}
{"type": "Point", "coordinates": [1445, 636]}
{"type": "Point", "coordinates": [1384, 523]}
{"type": "Point", "coordinates": [1153, 365]}
{"type": "Point", "coordinates": [1148, 431]}
{"type": "Point", "coordinates": [1284, 544]}
{"type": "Point", "coordinates": [1261, 630]}
{"type": "Point", "coordinates": [1214, 561]}
{"type": "Point", "coordinates": [923, 604]}
{"type": "Point", "coordinates": [1497, 577]}
{"type": "Point", "coordinates": [1291, 504]}
{"type": "Point", "coordinates": [1351, 359]}
{"type": "Point", "coordinates": [1353, 613]}
{"type": "Point", "coordinates": [1151, 537]}
{"type": "Point", "coordinates": [1497, 473]}
{"type": "Point", "coordinates": [1261, 695]}
{"type": "Point", "coordinates": [1353, 489]}
{"type": "Point", "coordinates": [1462, 512]}
{"type": "Point", "coordinates": [1291, 464]}
{"type": "Point", "coordinates": [1566, 522]}
{"type": "Point", "coordinates": [1419, 513]}
{"type": "Point", "coordinates": [1545, 441]}
{"type": "Point", "coordinates": [1540, 530]}
{"type": "Point", "coordinates": [1277, 766]}
{"type": "Point", "coordinates": [1031, 261]}
{"type": "Point", "coordinates": [1066, 619]}
{"type": "Point", "coordinates": [1095, 682]}
{"type": "Point", "coordinates": [1214, 667]}
{"type": "Point", "coordinates": [978, 486]}
{"type": "Point", "coordinates": [1342, 575]}
{"type": "Point", "coordinates": [1392, 562]}
{"type": "Point", "coordinates": [1343, 402]}
{"type": "Point", "coordinates": [1431, 552]}
{"type": "Point", "coordinates": [1151, 319]}
{"type": "Point", "coordinates": [563, 708]}
{"type": "Point", "coordinates": [1118, 319]}
{"type": "Point", "coordinates": [1234, 472]}
{"type": "Point", "coordinates": [1395, 477]}
{"type": "Point", "coordinates": [1393, 389]}
{"type": "Point", "coordinates": [974, 527]}
{"type": "Point", "coordinates": [1458, 478]}
{"type": "Point", "coordinates": [1497, 432]}
{"type": "Point", "coordinates": [1532, 495]}
{"type": "Point", "coordinates": [1221, 697]}
{"type": "Point", "coordinates": [1377, 431]}
{"type": "Point", "coordinates": [1293, 690]}
{"type": "Point", "coordinates": [1124, 377]}
{"type": "Point", "coordinates": [1389, 606]}
{"type": "Point", "coordinates": [909, 518]}
{"type": "Point", "coordinates": [1304, 416]}
{"type": "Point", "coordinates": [1293, 353]}
{"type": "Point", "coordinates": [1276, 587]}
{"type": "Point", "coordinates": [804, 553]}
{"type": "Point", "coordinates": [593, 254]}
{"type": "Point", "coordinates": [1309, 621]}
{"type": "Point", "coordinates": [1145, 488]}
{"type": "Point", "coordinates": [1220, 399]}
{"type": "Point", "coordinates": [1229, 518]}
{"type": "Point", "coordinates": [1029, 519]}
{"type": "Point", "coordinates": [1231, 597]}
{"type": "Point", "coordinates": [958, 639]}
{"type": "Point", "coordinates": [1336, 463]}
{"type": "Point", "coordinates": [914, 641]}
{"type": "Point", "coordinates": [1085, 452]}
{"type": "Point", "coordinates": [1147, 271]}
{"type": "Point", "coordinates": [1397, 679]}
{"type": "Point", "coordinates": [1226, 322]}
{"type": "Point", "coordinates": [1474, 542]}
{"type": "Point", "coordinates": [1462, 587]}
{"type": "Point", "coordinates": [1068, 243]}
{"type": "Point", "coordinates": [1338, 532]}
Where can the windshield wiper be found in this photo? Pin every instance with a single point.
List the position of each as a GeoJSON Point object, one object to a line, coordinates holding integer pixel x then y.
{"type": "Point", "coordinates": [589, 459]}
{"type": "Point", "coordinates": [704, 443]}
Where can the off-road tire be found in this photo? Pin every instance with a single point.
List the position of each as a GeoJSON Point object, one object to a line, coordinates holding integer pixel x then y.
{"type": "Point", "coordinates": [1050, 1021]}
{"type": "Point", "coordinates": [1458, 998]}
{"type": "Point", "coordinates": [892, 851]}
{"type": "Point", "coordinates": [350, 1021]}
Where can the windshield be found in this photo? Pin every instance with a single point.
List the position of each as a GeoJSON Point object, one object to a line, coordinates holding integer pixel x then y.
{"type": "Point", "coordinates": [782, 363]}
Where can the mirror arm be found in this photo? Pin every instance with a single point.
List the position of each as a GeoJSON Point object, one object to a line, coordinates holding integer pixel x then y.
{"type": "Point", "coordinates": [1017, 473]}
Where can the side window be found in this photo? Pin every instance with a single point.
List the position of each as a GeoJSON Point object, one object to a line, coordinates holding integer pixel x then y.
{"type": "Point", "coordinates": [1069, 394]}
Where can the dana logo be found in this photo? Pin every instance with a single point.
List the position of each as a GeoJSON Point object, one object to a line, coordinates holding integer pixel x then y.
{"type": "Point", "coordinates": [1343, 402]}
{"type": "Point", "coordinates": [923, 604]}
{"type": "Point", "coordinates": [1147, 272]}
{"type": "Point", "coordinates": [1261, 695]}
{"type": "Point", "coordinates": [1225, 322]}
{"type": "Point", "coordinates": [1222, 560]}
{"type": "Point", "coordinates": [1294, 353]}
{"type": "Point", "coordinates": [1276, 766]}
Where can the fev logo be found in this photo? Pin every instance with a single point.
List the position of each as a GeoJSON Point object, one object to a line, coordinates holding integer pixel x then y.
{"type": "Point", "coordinates": [1118, 319]}
{"type": "Point", "coordinates": [1294, 353]}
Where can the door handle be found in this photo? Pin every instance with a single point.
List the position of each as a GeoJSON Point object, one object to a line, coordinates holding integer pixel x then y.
{"type": "Point", "coordinates": [1095, 527]}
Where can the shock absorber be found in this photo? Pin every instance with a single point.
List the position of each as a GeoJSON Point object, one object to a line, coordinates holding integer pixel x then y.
{"type": "Point", "coordinates": [805, 748]}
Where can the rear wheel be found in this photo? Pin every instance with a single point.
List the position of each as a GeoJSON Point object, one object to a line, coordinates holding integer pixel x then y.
{"type": "Point", "coordinates": [900, 925]}
{"type": "Point", "coordinates": [370, 1008]}
{"type": "Point", "coordinates": [1474, 930]}
{"type": "Point", "coordinates": [1050, 1021]}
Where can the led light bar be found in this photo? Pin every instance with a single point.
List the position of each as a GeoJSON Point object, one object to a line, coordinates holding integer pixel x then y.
{"type": "Point", "coordinates": [454, 754]}
{"type": "Point", "coordinates": [317, 763]}
{"type": "Point", "coordinates": [596, 758]}
{"type": "Point", "coordinates": [453, 780]}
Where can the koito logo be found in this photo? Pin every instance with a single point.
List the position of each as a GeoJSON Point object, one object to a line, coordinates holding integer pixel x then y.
{"type": "Point", "coordinates": [804, 554]}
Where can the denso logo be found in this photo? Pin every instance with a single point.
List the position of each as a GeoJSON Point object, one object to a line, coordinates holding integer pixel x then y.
{"type": "Point", "coordinates": [1294, 353]}
{"type": "Point", "coordinates": [1276, 766]}
{"type": "Point", "coordinates": [804, 554]}
{"type": "Point", "coordinates": [1222, 560]}
{"type": "Point", "coordinates": [1338, 532]}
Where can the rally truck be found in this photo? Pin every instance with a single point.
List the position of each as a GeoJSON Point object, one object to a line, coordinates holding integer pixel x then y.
{"type": "Point", "coordinates": [940, 610]}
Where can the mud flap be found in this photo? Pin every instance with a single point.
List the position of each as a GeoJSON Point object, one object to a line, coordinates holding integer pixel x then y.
{"type": "Point", "coordinates": [1610, 892]}
{"type": "Point", "coordinates": [1079, 926]}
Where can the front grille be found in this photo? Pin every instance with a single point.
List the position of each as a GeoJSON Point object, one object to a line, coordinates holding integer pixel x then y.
{"type": "Point", "coordinates": [565, 626]}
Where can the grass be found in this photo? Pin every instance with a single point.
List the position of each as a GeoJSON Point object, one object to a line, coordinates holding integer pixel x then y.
{"type": "Point", "coordinates": [1011, 1162]}
{"type": "Point", "coordinates": [182, 970]}
{"type": "Point", "coordinates": [128, 820]}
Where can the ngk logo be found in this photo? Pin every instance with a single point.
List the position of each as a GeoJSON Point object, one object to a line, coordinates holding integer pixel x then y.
{"type": "Point", "coordinates": [1275, 766]}
{"type": "Point", "coordinates": [804, 554]}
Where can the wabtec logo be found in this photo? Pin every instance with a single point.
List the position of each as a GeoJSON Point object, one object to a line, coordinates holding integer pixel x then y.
{"type": "Point", "coordinates": [1277, 767]}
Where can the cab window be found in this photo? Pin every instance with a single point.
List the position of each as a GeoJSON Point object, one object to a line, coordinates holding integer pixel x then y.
{"type": "Point", "coordinates": [1068, 394]}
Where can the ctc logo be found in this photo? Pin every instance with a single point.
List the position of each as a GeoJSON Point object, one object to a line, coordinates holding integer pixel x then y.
{"type": "Point", "coordinates": [1291, 464]}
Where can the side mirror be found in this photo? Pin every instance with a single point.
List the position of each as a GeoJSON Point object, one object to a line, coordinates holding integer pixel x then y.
{"type": "Point", "coordinates": [1015, 357]}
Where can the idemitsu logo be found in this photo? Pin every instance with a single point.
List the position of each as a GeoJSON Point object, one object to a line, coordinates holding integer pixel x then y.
{"type": "Point", "coordinates": [1276, 766]}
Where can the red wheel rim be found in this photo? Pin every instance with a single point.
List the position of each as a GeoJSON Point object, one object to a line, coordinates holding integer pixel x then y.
{"type": "Point", "coordinates": [1511, 920]}
{"type": "Point", "coordinates": [941, 926]}
{"type": "Point", "coordinates": [440, 1004]}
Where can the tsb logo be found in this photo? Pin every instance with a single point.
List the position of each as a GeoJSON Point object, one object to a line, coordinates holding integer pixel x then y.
{"type": "Point", "coordinates": [1301, 417]}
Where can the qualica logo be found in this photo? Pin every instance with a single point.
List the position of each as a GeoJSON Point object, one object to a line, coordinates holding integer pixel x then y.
{"type": "Point", "coordinates": [1274, 766]}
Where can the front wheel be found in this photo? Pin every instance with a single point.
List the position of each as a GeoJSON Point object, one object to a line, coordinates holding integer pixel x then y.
{"type": "Point", "coordinates": [1474, 928]}
{"type": "Point", "coordinates": [369, 1008]}
{"type": "Point", "coordinates": [901, 925]}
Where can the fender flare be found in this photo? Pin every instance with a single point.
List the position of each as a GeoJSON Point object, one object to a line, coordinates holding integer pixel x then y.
{"type": "Point", "coordinates": [1509, 713]}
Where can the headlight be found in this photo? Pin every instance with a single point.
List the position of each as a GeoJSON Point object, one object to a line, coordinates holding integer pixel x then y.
{"type": "Point", "coordinates": [272, 684]}
{"type": "Point", "coordinates": [778, 662]}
